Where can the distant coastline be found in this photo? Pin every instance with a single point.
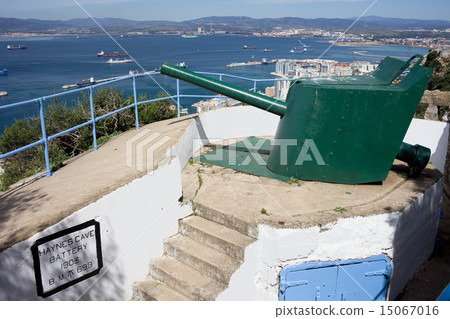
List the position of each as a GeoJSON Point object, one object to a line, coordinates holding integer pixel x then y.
{"type": "Point", "coordinates": [83, 35]}
{"type": "Point", "coordinates": [360, 44]}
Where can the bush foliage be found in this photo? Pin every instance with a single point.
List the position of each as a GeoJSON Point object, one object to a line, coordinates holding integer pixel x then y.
{"type": "Point", "coordinates": [440, 80]}
{"type": "Point", "coordinates": [59, 117]}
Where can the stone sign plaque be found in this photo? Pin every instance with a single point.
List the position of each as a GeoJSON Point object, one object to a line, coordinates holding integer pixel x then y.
{"type": "Point", "coordinates": [67, 257]}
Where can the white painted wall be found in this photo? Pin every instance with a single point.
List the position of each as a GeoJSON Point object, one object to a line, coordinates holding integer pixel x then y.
{"type": "Point", "coordinates": [134, 220]}
{"type": "Point", "coordinates": [415, 237]}
{"type": "Point", "coordinates": [237, 122]}
{"type": "Point", "coordinates": [433, 135]}
{"type": "Point", "coordinates": [406, 237]}
{"type": "Point", "coordinates": [221, 124]}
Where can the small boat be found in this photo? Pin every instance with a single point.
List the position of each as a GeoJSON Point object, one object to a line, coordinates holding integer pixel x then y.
{"type": "Point", "coordinates": [116, 61]}
{"type": "Point", "coordinates": [103, 54]}
{"type": "Point", "coordinates": [301, 50]}
{"type": "Point", "coordinates": [295, 50]}
{"type": "Point", "coordinates": [4, 72]}
{"type": "Point", "coordinates": [19, 47]}
{"type": "Point", "coordinates": [267, 50]}
{"type": "Point", "coordinates": [3, 93]}
{"type": "Point", "coordinates": [182, 65]}
{"type": "Point", "coordinates": [188, 36]}
{"type": "Point", "coordinates": [246, 47]}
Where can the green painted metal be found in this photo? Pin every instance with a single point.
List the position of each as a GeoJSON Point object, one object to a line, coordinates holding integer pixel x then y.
{"type": "Point", "coordinates": [261, 101]}
{"type": "Point", "coordinates": [416, 156]}
{"type": "Point", "coordinates": [248, 156]}
{"type": "Point", "coordinates": [339, 129]}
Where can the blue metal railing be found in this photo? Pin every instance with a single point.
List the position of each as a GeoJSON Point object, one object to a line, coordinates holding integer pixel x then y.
{"type": "Point", "coordinates": [45, 139]}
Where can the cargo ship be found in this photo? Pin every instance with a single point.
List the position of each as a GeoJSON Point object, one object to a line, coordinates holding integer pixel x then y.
{"type": "Point", "coordinates": [111, 61]}
{"type": "Point", "coordinates": [103, 54]}
{"type": "Point", "coordinates": [91, 81]}
{"type": "Point", "coordinates": [304, 49]}
{"type": "Point", "coordinates": [246, 47]}
{"type": "Point", "coordinates": [19, 47]}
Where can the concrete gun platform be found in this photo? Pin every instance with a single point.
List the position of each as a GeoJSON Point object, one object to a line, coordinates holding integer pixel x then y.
{"type": "Point", "coordinates": [242, 219]}
{"type": "Point", "coordinates": [252, 200]}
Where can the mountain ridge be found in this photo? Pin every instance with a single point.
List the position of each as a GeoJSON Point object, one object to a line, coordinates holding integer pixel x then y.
{"type": "Point", "coordinates": [230, 23]}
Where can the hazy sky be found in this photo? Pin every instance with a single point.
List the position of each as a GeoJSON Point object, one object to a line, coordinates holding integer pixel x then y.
{"type": "Point", "coordinates": [180, 10]}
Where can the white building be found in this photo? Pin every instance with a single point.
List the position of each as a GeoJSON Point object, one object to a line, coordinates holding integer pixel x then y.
{"type": "Point", "coordinates": [363, 67]}
{"type": "Point", "coordinates": [314, 68]}
{"type": "Point", "coordinates": [215, 103]}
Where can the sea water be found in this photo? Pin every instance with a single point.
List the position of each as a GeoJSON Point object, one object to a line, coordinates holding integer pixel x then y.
{"type": "Point", "coordinates": [48, 63]}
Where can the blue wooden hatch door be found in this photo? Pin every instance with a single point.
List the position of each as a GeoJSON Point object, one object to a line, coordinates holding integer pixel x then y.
{"type": "Point", "coordinates": [355, 279]}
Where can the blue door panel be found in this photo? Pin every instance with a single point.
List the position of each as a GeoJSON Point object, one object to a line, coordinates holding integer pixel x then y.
{"type": "Point", "coordinates": [311, 284]}
{"type": "Point", "coordinates": [364, 281]}
{"type": "Point", "coordinates": [356, 279]}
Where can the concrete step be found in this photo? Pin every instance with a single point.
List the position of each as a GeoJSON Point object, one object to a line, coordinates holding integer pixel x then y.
{"type": "Point", "coordinates": [150, 289]}
{"type": "Point", "coordinates": [185, 279]}
{"type": "Point", "coordinates": [224, 239]}
{"type": "Point", "coordinates": [249, 228]}
{"type": "Point", "coordinates": [205, 259]}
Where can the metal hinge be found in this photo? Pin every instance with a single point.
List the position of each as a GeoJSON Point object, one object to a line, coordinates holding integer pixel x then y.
{"type": "Point", "coordinates": [383, 272]}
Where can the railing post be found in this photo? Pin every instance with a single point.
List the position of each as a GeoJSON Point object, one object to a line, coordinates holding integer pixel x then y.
{"type": "Point", "coordinates": [91, 102]}
{"type": "Point", "coordinates": [135, 102]}
{"type": "Point", "coordinates": [178, 98]}
{"type": "Point", "coordinates": [254, 86]}
{"type": "Point", "coordinates": [44, 138]}
{"type": "Point", "coordinates": [220, 95]}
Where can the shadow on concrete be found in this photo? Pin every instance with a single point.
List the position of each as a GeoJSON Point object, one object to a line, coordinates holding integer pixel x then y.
{"type": "Point", "coordinates": [16, 202]}
{"type": "Point", "coordinates": [201, 131]}
{"type": "Point", "coordinates": [185, 118]}
{"type": "Point", "coordinates": [12, 204]}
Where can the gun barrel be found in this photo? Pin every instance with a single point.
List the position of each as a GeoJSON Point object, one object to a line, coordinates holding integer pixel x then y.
{"type": "Point", "coordinates": [258, 100]}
